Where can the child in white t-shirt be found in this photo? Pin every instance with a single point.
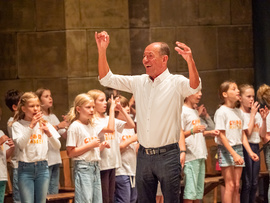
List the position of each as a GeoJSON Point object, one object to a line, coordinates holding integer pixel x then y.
{"type": "Point", "coordinates": [54, 157]}
{"type": "Point", "coordinates": [256, 130]}
{"type": "Point", "coordinates": [125, 190]}
{"type": "Point", "coordinates": [110, 157]}
{"type": "Point", "coordinates": [263, 96]}
{"type": "Point", "coordinates": [84, 146]}
{"type": "Point", "coordinates": [6, 150]}
{"type": "Point", "coordinates": [196, 151]}
{"type": "Point", "coordinates": [230, 122]}
{"type": "Point", "coordinates": [32, 133]}
{"type": "Point", "coordinates": [12, 98]}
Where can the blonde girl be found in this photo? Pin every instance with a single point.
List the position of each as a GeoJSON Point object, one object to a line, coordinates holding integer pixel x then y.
{"type": "Point", "coordinates": [83, 145]}
{"type": "Point", "coordinates": [263, 95]}
{"type": "Point", "coordinates": [230, 122]}
{"type": "Point", "coordinates": [32, 135]}
{"type": "Point", "coordinates": [54, 158]}
{"type": "Point", "coordinates": [256, 129]}
{"type": "Point", "coordinates": [110, 157]}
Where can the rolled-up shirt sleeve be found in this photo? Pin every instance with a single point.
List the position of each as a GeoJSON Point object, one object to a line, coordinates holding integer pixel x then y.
{"type": "Point", "coordinates": [120, 82]}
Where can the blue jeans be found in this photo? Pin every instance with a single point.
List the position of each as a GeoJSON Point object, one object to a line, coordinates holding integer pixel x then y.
{"type": "Point", "coordinates": [250, 176]}
{"type": "Point", "coordinates": [15, 187]}
{"type": "Point", "coordinates": [124, 192]}
{"type": "Point", "coordinates": [54, 179]}
{"type": "Point", "coordinates": [33, 179]}
{"type": "Point", "coordinates": [87, 182]}
{"type": "Point", "coordinates": [164, 167]}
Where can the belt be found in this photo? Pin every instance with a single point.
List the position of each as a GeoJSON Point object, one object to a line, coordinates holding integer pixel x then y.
{"type": "Point", "coordinates": [159, 150]}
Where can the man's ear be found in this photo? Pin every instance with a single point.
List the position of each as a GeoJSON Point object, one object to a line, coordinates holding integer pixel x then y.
{"type": "Point", "coordinates": [165, 58]}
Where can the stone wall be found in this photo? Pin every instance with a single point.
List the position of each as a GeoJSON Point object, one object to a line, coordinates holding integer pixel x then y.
{"type": "Point", "coordinates": [50, 43]}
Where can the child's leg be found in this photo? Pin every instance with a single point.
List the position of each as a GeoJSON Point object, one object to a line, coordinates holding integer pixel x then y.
{"type": "Point", "coordinates": [255, 173]}
{"type": "Point", "coordinates": [83, 174]}
{"type": "Point", "coordinates": [26, 176]}
{"type": "Point", "coordinates": [246, 178]}
{"type": "Point", "coordinates": [41, 181]}
{"type": "Point", "coordinates": [122, 189]}
{"type": "Point", "coordinates": [2, 190]}
{"type": "Point", "coordinates": [237, 177]}
{"type": "Point", "coordinates": [191, 171]}
{"type": "Point", "coordinates": [15, 187]}
{"type": "Point", "coordinates": [112, 184]}
{"type": "Point", "coordinates": [97, 191]}
{"type": "Point", "coordinates": [54, 179]}
{"type": "Point", "coordinates": [228, 175]}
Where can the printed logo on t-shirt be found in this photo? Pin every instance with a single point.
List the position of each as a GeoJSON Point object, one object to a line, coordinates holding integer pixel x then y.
{"type": "Point", "coordinates": [125, 137]}
{"type": "Point", "coordinates": [196, 122]}
{"type": "Point", "coordinates": [236, 124]}
{"type": "Point", "coordinates": [89, 139]}
{"type": "Point", "coordinates": [36, 139]}
{"type": "Point", "coordinates": [109, 136]}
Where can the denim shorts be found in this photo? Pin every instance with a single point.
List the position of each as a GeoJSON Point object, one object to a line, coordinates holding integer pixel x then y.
{"type": "Point", "coordinates": [225, 159]}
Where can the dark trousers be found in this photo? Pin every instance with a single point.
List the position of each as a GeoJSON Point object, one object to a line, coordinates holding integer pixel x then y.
{"type": "Point", "coordinates": [164, 167]}
{"type": "Point", "coordinates": [108, 185]}
{"type": "Point", "coordinates": [250, 176]}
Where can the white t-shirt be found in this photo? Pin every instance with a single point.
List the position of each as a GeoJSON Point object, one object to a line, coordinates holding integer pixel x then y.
{"type": "Point", "coordinates": [33, 143]}
{"type": "Point", "coordinates": [158, 104]}
{"type": "Point", "coordinates": [195, 144]}
{"type": "Point", "coordinates": [54, 156]}
{"type": "Point", "coordinates": [14, 162]}
{"type": "Point", "coordinates": [128, 156]}
{"type": "Point", "coordinates": [110, 157]}
{"type": "Point", "coordinates": [78, 135]}
{"type": "Point", "coordinates": [255, 135]}
{"type": "Point", "coordinates": [232, 121]}
{"type": "Point", "coordinates": [3, 160]}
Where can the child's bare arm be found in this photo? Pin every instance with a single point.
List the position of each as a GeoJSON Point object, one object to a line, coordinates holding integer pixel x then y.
{"type": "Point", "coordinates": [127, 142]}
{"type": "Point", "coordinates": [77, 151]}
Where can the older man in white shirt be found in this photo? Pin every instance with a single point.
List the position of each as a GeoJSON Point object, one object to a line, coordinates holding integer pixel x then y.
{"type": "Point", "coordinates": [159, 97]}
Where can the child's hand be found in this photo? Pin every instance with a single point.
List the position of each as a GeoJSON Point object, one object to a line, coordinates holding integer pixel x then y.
{"type": "Point", "coordinates": [254, 108]}
{"type": "Point", "coordinates": [198, 128]}
{"type": "Point", "coordinates": [264, 112]}
{"type": "Point", "coordinates": [36, 118]}
{"type": "Point", "coordinates": [3, 139]}
{"type": "Point", "coordinates": [104, 145]}
{"type": "Point", "coordinates": [95, 143]}
{"type": "Point", "coordinates": [63, 124]}
{"type": "Point", "coordinates": [44, 128]}
{"type": "Point", "coordinates": [214, 133]}
{"type": "Point", "coordinates": [10, 143]}
{"type": "Point", "coordinates": [238, 160]}
{"type": "Point", "coordinates": [254, 156]}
